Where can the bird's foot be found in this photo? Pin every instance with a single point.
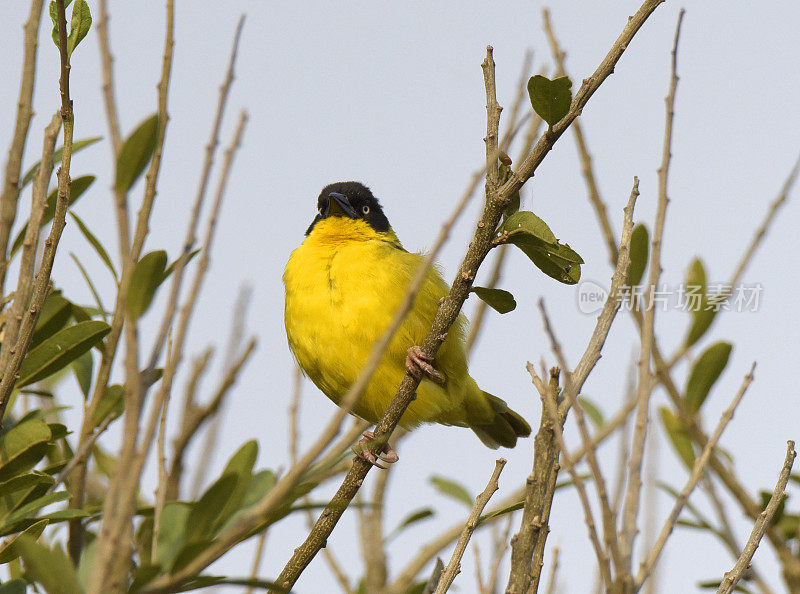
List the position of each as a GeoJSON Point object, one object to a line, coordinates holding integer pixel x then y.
{"type": "Point", "coordinates": [387, 454]}
{"type": "Point", "coordinates": [418, 362]}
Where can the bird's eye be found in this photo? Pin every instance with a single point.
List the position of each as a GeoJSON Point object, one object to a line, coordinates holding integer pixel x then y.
{"type": "Point", "coordinates": [365, 209]}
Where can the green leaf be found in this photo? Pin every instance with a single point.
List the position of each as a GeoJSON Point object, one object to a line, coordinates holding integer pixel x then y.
{"type": "Point", "coordinates": [142, 575]}
{"type": "Point", "coordinates": [678, 436]}
{"type": "Point", "coordinates": [206, 581]}
{"type": "Point", "coordinates": [569, 274]}
{"type": "Point", "coordinates": [135, 154]}
{"type": "Point", "coordinates": [260, 484]}
{"type": "Point", "coordinates": [788, 525]}
{"type": "Point", "coordinates": [452, 489]}
{"type": "Point", "coordinates": [24, 482]}
{"type": "Point", "coordinates": [765, 496]}
{"type": "Point", "coordinates": [35, 505]}
{"type": "Point", "coordinates": [82, 315]}
{"type": "Point", "coordinates": [22, 447]}
{"type": "Point", "coordinates": [54, 17]}
{"type": "Point", "coordinates": [694, 525]}
{"type": "Point", "coordinates": [705, 371]}
{"type": "Point", "coordinates": [87, 562]}
{"type": "Point", "coordinates": [186, 258]}
{"type": "Point", "coordinates": [411, 519]}
{"type": "Point", "coordinates": [82, 368]}
{"type": "Point", "coordinates": [79, 25]}
{"type": "Point", "coordinates": [592, 411]}
{"type": "Point", "coordinates": [49, 567]}
{"type": "Point", "coordinates": [498, 299]}
{"type": "Point", "coordinates": [240, 465]}
{"type": "Point", "coordinates": [172, 534]}
{"type": "Point", "coordinates": [202, 520]}
{"type": "Point", "coordinates": [697, 302]}
{"type": "Point", "coordinates": [147, 276]}
{"type": "Point", "coordinates": [639, 252]}
{"type": "Point", "coordinates": [55, 314]}
{"type": "Point", "coordinates": [532, 235]}
{"type": "Point", "coordinates": [95, 243]}
{"type": "Point", "coordinates": [550, 98]}
{"type": "Point", "coordinates": [8, 552]}
{"type": "Point", "coordinates": [501, 512]}
{"type": "Point", "coordinates": [513, 204]}
{"type": "Point", "coordinates": [188, 553]}
{"type": "Point", "coordinates": [78, 145]}
{"type": "Point", "coordinates": [526, 223]}
{"type": "Point", "coordinates": [112, 403]}
{"type": "Point", "coordinates": [60, 350]}
{"type": "Point", "coordinates": [76, 189]}
{"type": "Point", "coordinates": [16, 586]}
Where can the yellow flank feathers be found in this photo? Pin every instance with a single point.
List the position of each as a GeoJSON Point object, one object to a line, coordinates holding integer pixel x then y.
{"type": "Point", "coordinates": [343, 285]}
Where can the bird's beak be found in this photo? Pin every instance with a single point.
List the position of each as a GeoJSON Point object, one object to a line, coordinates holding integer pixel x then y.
{"type": "Point", "coordinates": [339, 205]}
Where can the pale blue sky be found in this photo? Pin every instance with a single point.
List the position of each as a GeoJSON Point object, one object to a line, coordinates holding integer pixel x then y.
{"type": "Point", "coordinates": [391, 94]}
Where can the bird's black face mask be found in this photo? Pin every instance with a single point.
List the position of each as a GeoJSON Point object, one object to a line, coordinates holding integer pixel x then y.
{"type": "Point", "coordinates": [353, 200]}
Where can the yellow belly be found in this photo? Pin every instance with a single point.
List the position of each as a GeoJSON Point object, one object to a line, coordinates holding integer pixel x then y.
{"type": "Point", "coordinates": [340, 297]}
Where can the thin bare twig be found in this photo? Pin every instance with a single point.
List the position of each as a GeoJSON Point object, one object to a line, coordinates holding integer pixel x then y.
{"type": "Point", "coordinates": [551, 584]}
{"type": "Point", "coordinates": [587, 169]}
{"type": "Point", "coordinates": [451, 305]}
{"type": "Point", "coordinates": [42, 283]}
{"type": "Point", "coordinates": [191, 229]}
{"type": "Point", "coordinates": [698, 470]}
{"type": "Point", "coordinates": [285, 485]}
{"type": "Point", "coordinates": [235, 342]}
{"type": "Point", "coordinates": [761, 232]}
{"type": "Point", "coordinates": [10, 196]}
{"type": "Point", "coordinates": [161, 454]}
{"type": "Point", "coordinates": [608, 514]}
{"type": "Point", "coordinates": [372, 537]}
{"type": "Point", "coordinates": [25, 277]}
{"type": "Point", "coordinates": [764, 518]}
{"type": "Point", "coordinates": [108, 78]}
{"type": "Point", "coordinates": [454, 566]}
{"type": "Point", "coordinates": [527, 546]}
{"type": "Point", "coordinates": [631, 507]}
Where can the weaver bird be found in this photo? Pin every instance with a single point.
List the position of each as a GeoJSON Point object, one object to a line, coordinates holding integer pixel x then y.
{"type": "Point", "coordinates": [343, 286]}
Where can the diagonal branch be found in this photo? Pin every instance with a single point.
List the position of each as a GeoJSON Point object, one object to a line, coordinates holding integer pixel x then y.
{"type": "Point", "coordinates": [764, 518]}
{"type": "Point", "coordinates": [459, 291]}
{"type": "Point", "coordinates": [10, 194]}
{"type": "Point", "coordinates": [698, 470]}
{"type": "Point", "coordinates": [631, 507]}
{"type": "Point", "coordinates": [454, 566]}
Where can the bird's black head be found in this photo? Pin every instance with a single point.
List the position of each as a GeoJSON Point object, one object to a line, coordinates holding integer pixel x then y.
{"type": "Point", "coordinates": [353, 200]}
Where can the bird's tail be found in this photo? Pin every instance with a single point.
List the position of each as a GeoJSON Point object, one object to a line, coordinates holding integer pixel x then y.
{"type": "Point", "coordinates": [495, 424]}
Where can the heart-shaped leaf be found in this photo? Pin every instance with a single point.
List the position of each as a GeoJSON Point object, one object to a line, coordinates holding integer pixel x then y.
{"type": "Point", "coordinates": [550, 98]}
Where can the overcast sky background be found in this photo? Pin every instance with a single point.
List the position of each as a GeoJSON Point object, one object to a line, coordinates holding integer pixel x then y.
{"type": "Point", "coordinates": [392, 94]}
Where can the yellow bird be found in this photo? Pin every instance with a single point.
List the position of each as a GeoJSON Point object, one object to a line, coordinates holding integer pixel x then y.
{"type": "Point", "coordinates": [343, 285]}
